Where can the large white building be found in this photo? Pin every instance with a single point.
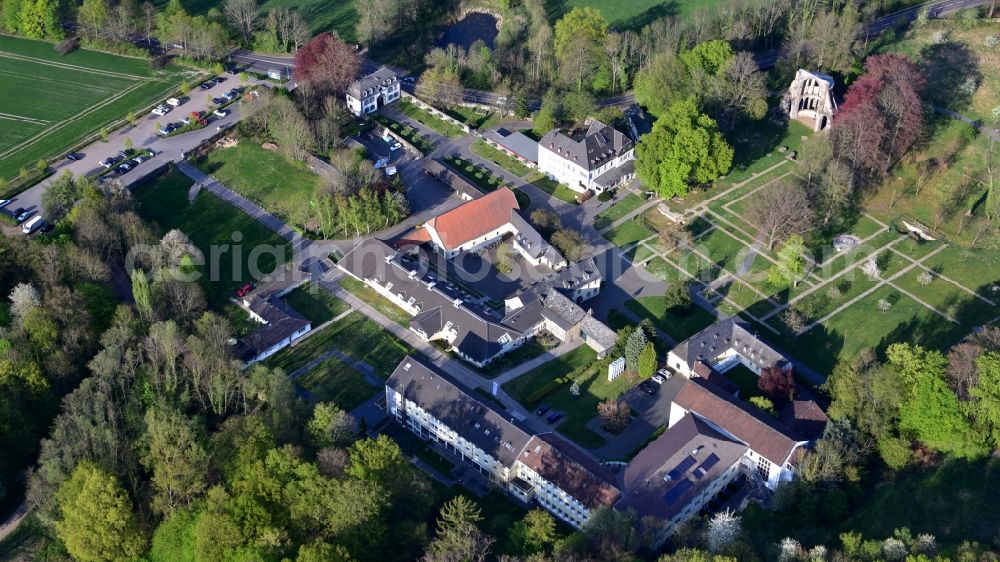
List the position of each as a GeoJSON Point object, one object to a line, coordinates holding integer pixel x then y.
{"type": "Point", "coordinates": [810, 99]}
{"type": "Point", "coordinates": [280, 324]}
{"type": "Point", "coordinates": [597, 159]}
{"type": "Point", "coordinates": [373, 92]}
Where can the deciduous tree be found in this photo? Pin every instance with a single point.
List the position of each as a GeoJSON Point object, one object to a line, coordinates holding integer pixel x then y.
{"type": "Point", "coordinates": [777, 383]}
{"type": "Point", "coordinates": [326, 64]}
{"type": "Point", "coordinates": [780, 211]}
{"type": "Point", "coordinates": [97, 523]}
{"type": "Point", "coordinates": [615, 414]}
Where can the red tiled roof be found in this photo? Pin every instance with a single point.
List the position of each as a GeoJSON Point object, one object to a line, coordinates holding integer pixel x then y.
{"type": "Point", "coordinates": [475, 218]}
{"type": "Point", "coordinates": [568, 468]}
{"type": "Point", "coordinates": [415, 237]}
{"type": "Point", "coordinates": [765, 435]}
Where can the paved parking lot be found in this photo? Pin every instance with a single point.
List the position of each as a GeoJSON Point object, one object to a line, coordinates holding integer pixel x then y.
{"type": "Point", "coordinates": [654, 411]}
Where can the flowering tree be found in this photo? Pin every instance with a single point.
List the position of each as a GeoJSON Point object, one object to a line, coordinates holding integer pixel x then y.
{"type": "Point", "coordinates": [326, 64]}
{"type": "Point", "coordinates": [723, 530]}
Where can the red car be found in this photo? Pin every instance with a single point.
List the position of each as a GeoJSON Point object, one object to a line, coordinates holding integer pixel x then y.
{"type": "Point", "coordinates": [244, 290]}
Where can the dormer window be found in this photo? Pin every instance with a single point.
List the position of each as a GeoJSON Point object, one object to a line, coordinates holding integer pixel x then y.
{"type": "Point", "coordinates": [504, 339]}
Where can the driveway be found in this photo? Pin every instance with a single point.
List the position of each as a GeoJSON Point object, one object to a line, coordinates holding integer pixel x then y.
{"type": "Point", "coordinates": [143, 135]}
{"type": "Point", "coordinates": [654, 411]}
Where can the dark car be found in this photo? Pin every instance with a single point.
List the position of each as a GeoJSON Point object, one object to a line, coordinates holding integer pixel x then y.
{"type": "Point", "coordinates": [205, 86]}
{"type": "Point", "coordinates": [649, 387]}
{"type": "Point", "coordinates": [219, 79]}
{"type": "Point", "coordinates": [74, 156]}
{"type": "Point", "coordinates": [542, 409]}
{"type": "Point", "coordinates": [219, 101]}
{"type": "Point", "coordinates": [23, 216]}
{"type": "Point", "coordinates": [124, 154]}
{"type": "Point", "coordinates": [123, 169]}
{"type": "Point", "coordinates": [110, 161]}
{"type": "Point", "coordinates": [555, 416]}
{"type": "Point", "coordinates": [16, 211]}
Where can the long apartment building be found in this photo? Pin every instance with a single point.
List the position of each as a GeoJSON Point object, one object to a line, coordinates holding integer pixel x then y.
{"type": "Point", "coordinates": [713, 438]}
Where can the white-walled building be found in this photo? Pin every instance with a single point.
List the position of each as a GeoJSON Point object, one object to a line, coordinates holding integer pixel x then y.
{"type": "Point", "coordinates": [721, 347]}
{"type": "Point", "coordinates": [598, 159]}
{"type": "Point", "coordinates": [280, 324]}
{"type": "Point", "coordinates": [373, 92]}
{"type": "Point", "coordinates": [810, 99]}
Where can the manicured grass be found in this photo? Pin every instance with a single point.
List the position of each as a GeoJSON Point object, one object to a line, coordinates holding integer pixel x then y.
{"type": "Point", "coordinates": [524, 353]}
{"type": "Point", "coordinates": [57, 101]}
{"type": "Point", "coordinates": [623, 207]}
{"type": "Point", "coordinates": [502, 159]}
{"type": "Point", "coordinates": [948, 298]}
{"type": "Point", "coordinates": [340, 17]}
{"type": "Point", "coordinates": [977, 270]}
{"type": "Point", "coordinates": [664, 270]}
{"type": "Point", "coordinates": [722, 250]}
{"type": "Point", "coordinates": [375, 300]}
{"type": "Point", "coordinates": [474, 117]}
{"type": "Point", "coordinates": [429, 119]}
{"type": "Point", "coordinates": [211, 222]}
{"type": "Point", "coordinates": [407, 132]}
{"type": "Point", "coordinates": [357, 336]}
{"type": "Point", "coordinates": [556, 189]}
{"type": "Point", "coordinates": [594, 388]}
{"type": "Point", "coordinates": [315, 303]}
{"type": "Point", "coordinates": [633, 14]}
{"type": "Point", "coordinates": [478, 175]}
{"type": "Point", "coordinates": [676, 325]}
{"type": "Point", "coordinates": [333, 381]}
{"type": "Point", "coordinates": [264, 176]}
{"type": "Point", "coordinates": [627, 233]}
{"type": "Point", "coordinates": [746, 380]}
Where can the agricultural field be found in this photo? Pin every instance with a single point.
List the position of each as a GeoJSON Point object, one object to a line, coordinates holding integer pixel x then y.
{"type": "Point", "coordinates": [340, 17]}
{"type": "Point", "coordinates": [49, 102]}
{"type": "Point", "coordinates": [633, 14]}
{"type": "Point", "coordinates": [209, 221]}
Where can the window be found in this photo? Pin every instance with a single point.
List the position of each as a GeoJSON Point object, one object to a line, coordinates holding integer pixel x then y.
{"type": "Point", "coordinates": [504, 339]}
{"type": "Point", "coordinates": [764, 467]}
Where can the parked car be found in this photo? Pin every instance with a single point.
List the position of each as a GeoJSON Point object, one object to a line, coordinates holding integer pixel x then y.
{"type": "Point", "coordinates": [223, 126]}
{"type": "Point", "coordinates": [110, 161]}
{"type": "Point", "coordinates": [381, 163]}
{"type": "Point", "coordinates": [648, 387]}
{"type": "Point", "coordinates": [409, 80]}
{"type": "Point", "coordinates": [17, 212]}
{"type": "Point", "coordinates": [205, 86]}
{"type": "Point", "coordinates": [244, 290]}
{"type": "Point", "coordinates": [161, 110]}
{"type": "Point", "coordinates": [236, 91]}
{"type": "Point", "coordinates": [23, 216]}
{"type": "Point", "coordinates": [220, 113]}
{"type": "Point", "coordinates": [32, 225]}
{"type": "Point", "coordinates": [173, 102]}
{"type": "Point", "coordinates": [658, 378]}
{"type": "Point", "coordinates": [74, 156]}
{"type": "Point", "coordinates": [186, 120]}
{"type": "Point", "coordinates": [4, 203]}
{"type": "Point", "coordinates": [395, 146]}
{"type": "Point", "coordinates": [219, 79]}
{"type": "Point", "coordinates": [543, 408]}
{"type": "Point", "coordinates": [124, 153]}
{"type": "Point", "coordinates": [123, 169]}
{"type": "Point", "coordinates": [219, 101]}
{"type": "Point", "coordinates": [390, 171]}
{"type": "Point", "coordinates": [141, 158]}
{"type": "Point", "coordinates": [555, 416]}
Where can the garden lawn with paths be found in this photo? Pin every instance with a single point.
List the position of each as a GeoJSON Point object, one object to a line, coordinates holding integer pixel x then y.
{"type": "Point", "coordinates": [629, 232]}
{"type": "Point", "coordinates": [473, 117]}
{"type": "Point", "coordinates": [526, 352]}
{"type": "Point", "coordinates": [679, 325]}
{"type": "Point", "coordinates": [315, 303]}
{"type": "Point", "coordinates": [555, 189]}
{"type": "Point", "coordinates": [209, 221]}
{"type": "Point", "coordinates": [357, 336]}
{"type": "Point", "coordinates": [478, 175]}
{"type": "Point", "coordinates": [428, 119]}
{"type": "Point", "coordinates": [375, 300]}
{"type": "Point", "coordinates": [623, 207]}
{"type": "Point", "coordinates": [333, 381]}
{"type": "Point", "coordinates": [407, 132]}
{"type": "Point", "coordinates": [502, 159]}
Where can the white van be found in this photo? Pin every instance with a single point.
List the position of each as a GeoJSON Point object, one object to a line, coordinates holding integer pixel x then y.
{"type": "Point", "coordinates": [174, 102]}
{"type": "Point", "coordinates": [34, 224]}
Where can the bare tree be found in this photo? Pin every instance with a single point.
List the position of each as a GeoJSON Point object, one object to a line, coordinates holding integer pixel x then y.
{"type": "Point", "coordinates": [244, 16]}
{"type": "Point", "coordinates": [780, 211]}
{"type": "Point", "coordinates": [148, 20]}
{"type": "Point", "coordinates": [615, 414]}
{"type": "Point", "coordinates": [741, 89]}
{"type": "Point", "coordinates": [377, 19]}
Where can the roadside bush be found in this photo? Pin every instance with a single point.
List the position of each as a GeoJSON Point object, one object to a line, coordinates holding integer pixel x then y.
{"type": "Point", "coordinates": [67, 46]}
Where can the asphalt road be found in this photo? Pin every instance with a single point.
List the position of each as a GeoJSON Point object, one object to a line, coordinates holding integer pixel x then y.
{"type": "Point", "coordinates": [143, 135]}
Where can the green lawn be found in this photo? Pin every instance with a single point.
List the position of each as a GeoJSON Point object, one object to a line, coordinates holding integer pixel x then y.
{"type": "Point", "coordinates": [475, 117]}
{"type": "Point", "coordinates": [502, 159]}
{"type": "Point", "coordinates": [524, 353]}
{"type": "Point", "coordinates": [333, 381]}
{"type": "Point", "coordinates": [594, 388]}
{"type": "Point", "coordinates": [634, 14]}
{"type": "Point", "coordinates": [375, 300]}
{"type": "Point", "coordinates": [746, 380]}
{"type": "Point", "coordinates": [556, 189]}
{"type": "Point", "coordinates": [315, 303]}
{"type": "Point", "coordinates": [211, 223]}
{"type": "Point", "coordinates": [627, 233]}
{"type": "Point", "coordinates": [53, 102]}
{"type": "Point", "coordinates": [623, 207]}
{"type": "Point", "coordinates": [428, 119]}
{"type": "Point", "coordinates": [340, 17]}
{"type": "Point", "coordinates": [478, 175]}
{"type": "Point", "coordinates": [356, 335]}
{"type": "Point", "coordinates": [678, 326]}
{"type": "Point", "coordinates": [264, 176]}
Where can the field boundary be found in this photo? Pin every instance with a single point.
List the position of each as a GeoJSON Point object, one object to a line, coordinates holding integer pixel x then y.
{"type": "Point", "coordinates": [66, 66]}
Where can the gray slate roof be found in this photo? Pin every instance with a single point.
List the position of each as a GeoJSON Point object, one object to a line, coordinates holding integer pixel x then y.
{"type": "Point", "coordinates": [731, 333]}
{"type": "Point", "coordinates": [646, 488]}
{"type": "Point", "coordinates": [281, 322]}
{"type": "Point", "coordinates": [456, 406]}
{"type": "Point", "coordinates": [381, 77]}
{"type": "Point", "coordinates": [599, 144]}
{"type": "Point", "coordinates": [516, 142]}
{"type": "Point", "coordinates": [532, 241]}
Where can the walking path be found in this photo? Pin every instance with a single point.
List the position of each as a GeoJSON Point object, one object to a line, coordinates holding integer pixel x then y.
{"type": "Point", "coordinates": [631, 214]}
{"type": "Point", "coordinates": [10, 525]}
{"type": "Point", "coordinates": [992, 133]}
{"type": "Point", "coordinates": [555, 353]}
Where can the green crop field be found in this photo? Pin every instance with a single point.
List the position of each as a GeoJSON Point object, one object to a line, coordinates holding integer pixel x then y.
{"type": "Point", "coordinates": [49, 102]}
{"type": "Point", "coordinates": [633, 14]}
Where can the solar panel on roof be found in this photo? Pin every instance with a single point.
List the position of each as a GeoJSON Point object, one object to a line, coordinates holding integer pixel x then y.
{"type": "Point", "coordinates": [706, 465]}
{"type": "Point", "coordinates": [681, 468]}
{"type": "Point", "coordinates": [677, 491]}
